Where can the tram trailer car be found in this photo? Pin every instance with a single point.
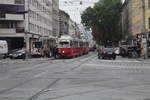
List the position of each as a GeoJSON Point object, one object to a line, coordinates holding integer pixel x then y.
{"type": "Point", "coordinates": [70, 47]}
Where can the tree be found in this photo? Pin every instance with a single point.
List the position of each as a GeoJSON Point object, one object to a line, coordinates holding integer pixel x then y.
{"type": "Point", "coordinates": [104, 20]}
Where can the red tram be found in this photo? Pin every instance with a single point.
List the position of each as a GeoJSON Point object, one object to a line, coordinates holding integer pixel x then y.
{"type": "Point", "coordinates": [71, 47]}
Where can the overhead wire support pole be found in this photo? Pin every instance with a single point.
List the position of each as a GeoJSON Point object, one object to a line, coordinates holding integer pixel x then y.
{"type": "Point", "coordinates": [143, 29]}
{"type": "Point", "coordinates": [28, 30]}
{"type": "Point", "coordinates": [143, 15]}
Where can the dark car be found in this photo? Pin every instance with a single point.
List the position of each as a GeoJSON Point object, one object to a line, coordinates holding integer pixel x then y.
{"type": "Point", "coordinates": [123, 52]}
{"type": "Point", "coordinates": [17, 53]}
{"type": "Point", "coordinates": [107, 53]}
{"type": "Point", "coordinates": [134, 51]}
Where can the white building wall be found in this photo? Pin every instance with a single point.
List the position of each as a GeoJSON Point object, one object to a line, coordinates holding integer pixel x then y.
{"type": "Point", "coordinates": [40, 17]}
{"type": "Point", "coordinates": [55, 19]}
{"type": "Point", "coordinates": [72, 30]}
{"type": "Point", "coordinates": [38, 20]}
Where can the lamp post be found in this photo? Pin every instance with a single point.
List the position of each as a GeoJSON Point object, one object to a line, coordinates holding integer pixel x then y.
{"type": "Point", "coordinates": [28, 28]}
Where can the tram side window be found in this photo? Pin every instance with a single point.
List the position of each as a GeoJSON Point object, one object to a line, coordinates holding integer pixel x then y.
{"type": "Point", "coordinates": [87, 44]}
{"type": "Point", "coordinates": [64, 45]}
{"type": "Point", "coordinates": [75, 44]}
{"type": "Point", "coordinates": [81, 44]}
{"type": "Point", "coordinates": [71, 44]}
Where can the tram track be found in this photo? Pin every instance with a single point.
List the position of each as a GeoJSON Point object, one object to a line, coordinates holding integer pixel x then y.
{"type": "Point", "coordinates": [47, 88]}
{"type": "Point", "coordinates": [82, 60]}
{"type": "Point", "coordinates": [36, 95]}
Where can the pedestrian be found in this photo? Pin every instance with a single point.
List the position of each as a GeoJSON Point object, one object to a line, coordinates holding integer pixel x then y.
{"type": "Point", "coordinates": [24, 53]}
{"type": "Point", "coordinates": [42, 51]}
{"type": "Point", "coordinates": [54, 51]}
{"type": "Point", "coordinates": [50, 53]}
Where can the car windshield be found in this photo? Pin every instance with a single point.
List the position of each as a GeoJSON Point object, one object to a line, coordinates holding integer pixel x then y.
{"type": "Point", "coordinates": [108, 49]}
{"type": "Point", "coordinates": [63, 45]}
{"type": "Point", "coordinates": [20, 51]}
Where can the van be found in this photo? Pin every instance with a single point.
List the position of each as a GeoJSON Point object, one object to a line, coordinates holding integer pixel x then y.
{"type": "Point", "coordinates": [3, 48]}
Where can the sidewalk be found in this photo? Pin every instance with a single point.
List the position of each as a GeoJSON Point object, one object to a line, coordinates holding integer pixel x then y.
{"type": "Point", "coordinates": [143, 60]}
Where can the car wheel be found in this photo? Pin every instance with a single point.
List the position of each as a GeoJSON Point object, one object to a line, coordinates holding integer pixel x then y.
{"type": "Point", "coordinates": [11, 57]}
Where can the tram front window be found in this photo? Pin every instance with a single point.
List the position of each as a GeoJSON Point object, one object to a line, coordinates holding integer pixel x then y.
{"type": "Point", "coordinates": [64, 45]}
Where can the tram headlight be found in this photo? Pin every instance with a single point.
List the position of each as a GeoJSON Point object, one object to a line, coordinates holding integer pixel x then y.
{"type": "Point", "coordinates": [63, 51]}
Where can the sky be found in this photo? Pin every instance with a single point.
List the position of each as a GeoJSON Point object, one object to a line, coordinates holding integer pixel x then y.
{"type": "Point", "coordinates": [74, 8]}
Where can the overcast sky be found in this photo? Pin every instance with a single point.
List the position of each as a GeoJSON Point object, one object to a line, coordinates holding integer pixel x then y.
{"type": "Point", "coordinates": [74, 8]}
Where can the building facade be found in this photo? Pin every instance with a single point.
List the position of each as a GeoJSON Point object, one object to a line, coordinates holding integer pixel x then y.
{"type": "Point", "coordinates": [38, 21]}
{"type": "Point", "coordinates": [63, 22]}
{"type": "Point", "coordinates": [72, 28]}
{"type": "Point", "coordinates": [25, 21]}
{"type": "Point", "coordinates": [126, 17]}
{"type": "Point", "coordinates": [136, 22]}
{"type": "Point", "coordinates": [12, 23]}
{"type": "Point", "coordinates": [55, 17]}
{"type": "Point", "coordinates": [136, 14]}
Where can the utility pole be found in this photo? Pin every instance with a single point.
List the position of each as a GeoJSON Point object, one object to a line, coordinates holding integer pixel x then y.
{"type": "Point", "coordinates": [143, 29]}
{"type": "Point", "coordinates": [28, 30]}
{"type": "Point", "coordinates": [143, 15]}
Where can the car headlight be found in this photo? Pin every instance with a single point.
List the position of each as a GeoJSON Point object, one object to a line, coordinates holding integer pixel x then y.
{"type": "Point", "coordinates": [20, 54]}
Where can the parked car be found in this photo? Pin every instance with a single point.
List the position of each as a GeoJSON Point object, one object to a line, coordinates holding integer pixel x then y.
{"type": "Point", "coordinates": [92, 49]}
{"type": "Point", "coordinates": [123, 52]}
{"type": "Point", "coordinates": [117, 50]}
{"type": "Point", "coordinates": [107, 53]}
{"type": "Point", "coordinates": [3, 49]}
{"type": "Point", "coordinates": [134, 51]}
{"type": "Point", "coordinates": [17, 53]}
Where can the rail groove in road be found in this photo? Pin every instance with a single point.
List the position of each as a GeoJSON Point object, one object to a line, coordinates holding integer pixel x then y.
{"type": "Point", "coordinates": [25, 81]}
{"type": "Point", "coordinates": [46, 89]}
{"type": "Point", "coordinates": [43, 90]}
{"type": "Point", "coordinates": [17, 85]}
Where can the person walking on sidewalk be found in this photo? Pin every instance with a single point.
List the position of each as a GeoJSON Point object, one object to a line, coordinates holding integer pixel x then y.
{"type": "Point", "coordinates": [24, 55]}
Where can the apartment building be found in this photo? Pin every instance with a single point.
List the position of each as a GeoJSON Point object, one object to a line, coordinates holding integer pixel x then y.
{"type": "Point", "coordinates": [72, 28]}
{"type": "Point", "coordinates": [136, 22]}
{"type": "Point", "coordinates": [126, 17]}
{"type": "Point", "coordinates": [12, 22]}
{"type": "Point", "coordinates": [137, 14]}
{"type": "Point", "coordinates": [25, 21]}
{"type": "Point", "coordinates": [55, 17]}
{"type": "Point", "coordinates": [63, 22]}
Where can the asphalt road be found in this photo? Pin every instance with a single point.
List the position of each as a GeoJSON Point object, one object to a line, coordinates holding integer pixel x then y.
{"type": "Point", "coordinates": [81, 78]}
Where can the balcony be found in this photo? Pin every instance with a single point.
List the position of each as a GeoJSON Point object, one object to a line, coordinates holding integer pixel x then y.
{"type": "Point", "coordinates": [19, 1]}
{"type": "Point", "coordinates": [9, 31]}
{"type": "Point", "coordinates": [11, 1]}
{"type": "Point", "coordinates": [20, 30]}
{"type": "Point", "coordinates": [17, 17]}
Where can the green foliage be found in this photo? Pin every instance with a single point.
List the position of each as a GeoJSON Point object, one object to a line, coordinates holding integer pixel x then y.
{"type": "Point", "coordinates": [104, 20]}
